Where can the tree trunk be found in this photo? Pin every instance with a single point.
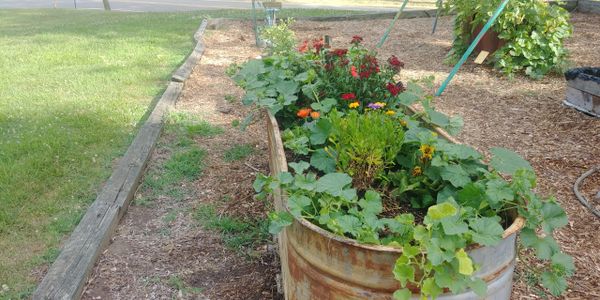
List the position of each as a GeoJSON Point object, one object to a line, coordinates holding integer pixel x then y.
{"type": "Point", "coordinates": [106, 4]}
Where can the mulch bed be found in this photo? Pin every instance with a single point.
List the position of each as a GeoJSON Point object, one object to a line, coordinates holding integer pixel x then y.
{"type": "Point", "coordinates": [151, 252]}
{"type": "Point", "coordinates": [520, 114]}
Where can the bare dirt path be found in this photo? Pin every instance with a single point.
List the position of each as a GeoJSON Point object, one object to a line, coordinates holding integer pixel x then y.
{"type": "Point", "coordinates": [520, 114]}
{"type": "Point", "coordinates": [162, 250]}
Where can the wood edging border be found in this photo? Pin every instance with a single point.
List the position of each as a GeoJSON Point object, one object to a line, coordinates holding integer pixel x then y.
{"type": "Point", "coordinates": [186, 68]}
{"type": "Point", "coordinates": [69, 273]}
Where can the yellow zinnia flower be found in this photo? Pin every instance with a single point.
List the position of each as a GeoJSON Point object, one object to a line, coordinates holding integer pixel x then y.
{"type": "Point", "coordinates": [417, 171]}
{"type": "Point", "coordinates": [390, 112]}
{"type": "Point", "coordinates": [354, 104]}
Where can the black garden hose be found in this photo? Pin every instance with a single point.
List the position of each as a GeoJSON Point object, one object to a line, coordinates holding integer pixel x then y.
{"type": "Point", "coordinates": [582, 198]}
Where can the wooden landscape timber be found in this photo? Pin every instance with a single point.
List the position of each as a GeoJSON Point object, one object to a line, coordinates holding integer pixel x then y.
{"type": "Point", "coordinates": [186, 68]}
{"type": "Point", "coordinates": [67, 276]}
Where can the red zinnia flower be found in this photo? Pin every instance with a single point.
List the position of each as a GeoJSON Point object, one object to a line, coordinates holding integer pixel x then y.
{"type": "Point", "coordinates": [340, 52]}
{"type": "Point", "coordinates": [365, 74]}
{"type": "Point", "coordinates": [318, 44]}
{"type": "Point", "coordinates": [356, 40]}
{"type": "Point", "coordinates": [395, 63]}
{"type": "Point", "coordinates": [395, 89]}
{"type": "Point", "coordinates": [354, 72]}
{"type": "Point", "coordinates": [348, 96]}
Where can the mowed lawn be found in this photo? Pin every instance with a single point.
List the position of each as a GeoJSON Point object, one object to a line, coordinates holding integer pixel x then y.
{"type": "Point", "coordinates": [74, 88]}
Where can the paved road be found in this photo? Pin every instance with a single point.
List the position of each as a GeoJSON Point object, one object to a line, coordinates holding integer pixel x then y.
{"type": "Point", "coordinates": [164, 5]}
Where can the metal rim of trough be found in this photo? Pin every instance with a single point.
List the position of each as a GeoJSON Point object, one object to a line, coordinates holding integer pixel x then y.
{"type": "Point", "coordinates": [69, 273]}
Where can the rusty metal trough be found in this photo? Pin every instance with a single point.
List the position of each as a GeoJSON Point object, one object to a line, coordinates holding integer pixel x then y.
{"type": "Point", "coordinates": [583, 90]}
{"type": "Point", "coordinates": [317, 264]}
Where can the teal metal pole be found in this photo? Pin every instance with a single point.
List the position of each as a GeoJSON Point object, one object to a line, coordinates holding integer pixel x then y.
{"type": "Point", "coordinates": [255, 24]}
{"type": "Point", "coordinates": [437, 16]}
{"type": "Point", "coordinates": [387, 32]}
{"type": "Point", "coordinates": [462, 60]}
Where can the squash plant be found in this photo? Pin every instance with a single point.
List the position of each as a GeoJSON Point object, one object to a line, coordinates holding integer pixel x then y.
{"type": "Point", "coordinates": [358, 157]}
{"type": "Point", "coordinates": [534, 32]}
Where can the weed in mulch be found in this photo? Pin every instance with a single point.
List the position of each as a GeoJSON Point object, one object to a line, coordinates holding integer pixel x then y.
{"type": "Point", "coordinates": [239, 235]}
{"type": "Point", "coordinates": [238, 152]}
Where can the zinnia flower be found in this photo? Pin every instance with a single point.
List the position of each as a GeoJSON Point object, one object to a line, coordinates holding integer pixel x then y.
{"type": "Point", "coordinates": [376, 105]}
{"type": "Point", "coordinates": [315, 114]}
{"type": "Point", "coordinates": [393, 89]}
{"type": "Point", "coordinates": [403, 123]}
{"type": "Point", "coordinates": [417, 171]}
{"type": "Point", "coordinates": [354, 72]}
{"type": "Point", "coordinates": [318, 44]}
{"type": "Point", "coordinates": [356, 40]}
{"type": "Point", "coordinates": [304, 113]}
{"type": "Point", "coordinates": [340, 52]}
{"type": "Point", "coordinates": [354, 104]}
{"type": "Point", "coordinates": [348, 96]}
{"type": "Point", "coordinates": [303, 47]}
{"type": "Point", "coordinates": [390, 112]}
{"type": "Point", "coordinates": [427, 152]}
{"type": "Point", "coordinates": [395, 63]}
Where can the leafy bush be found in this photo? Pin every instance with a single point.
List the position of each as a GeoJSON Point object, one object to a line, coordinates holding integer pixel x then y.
{"type": "Point", "coordinates": [280, 38]}
{"type": "Point", "coordinates": [362, 161]}
{"type": "Point", "coordinates": [534, 32]}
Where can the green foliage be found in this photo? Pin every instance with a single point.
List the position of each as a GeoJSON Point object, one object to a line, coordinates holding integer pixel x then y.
{"type": "Point", "coordinates": [238, 152]}
{"type": "Point", "coordinates": [364, 144]}
{"type": "Point", "coordinates": [280, 38]}
{"type": "Point", "coordinates": [534, 32]}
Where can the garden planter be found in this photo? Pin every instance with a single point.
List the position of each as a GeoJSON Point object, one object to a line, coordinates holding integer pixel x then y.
{"type": "Point", "coordinates": [583, 90]}
{"type": "Point", "coordinates": [490, 41]}
{"type": "Point", "coordinates": [317, 264]}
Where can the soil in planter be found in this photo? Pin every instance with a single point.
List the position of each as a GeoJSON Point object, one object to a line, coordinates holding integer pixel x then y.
{"type": "Point", "coordinates": [194, 230]}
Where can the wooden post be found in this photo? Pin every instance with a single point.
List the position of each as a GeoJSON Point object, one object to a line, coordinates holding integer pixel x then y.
{"type": "Point", "coordinates": [106, 4]}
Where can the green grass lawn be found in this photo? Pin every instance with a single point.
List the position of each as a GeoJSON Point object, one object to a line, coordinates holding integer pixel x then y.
{"type": "Point", "coordinates": [74, 88]}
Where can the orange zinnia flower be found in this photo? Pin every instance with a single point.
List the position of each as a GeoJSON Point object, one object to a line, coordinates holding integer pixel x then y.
{"type": "Point", "coordinates": [354, 72]}
{"type": "Point", "coordinates": [304, 113]}
{"type": "Point", "coordinates": [315, 114]}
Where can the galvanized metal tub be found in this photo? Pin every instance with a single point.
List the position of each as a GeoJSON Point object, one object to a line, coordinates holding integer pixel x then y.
{"type": "Point", "coordinates": [317, 264]}
{"type": "Point", "coordinates": [583, 90]}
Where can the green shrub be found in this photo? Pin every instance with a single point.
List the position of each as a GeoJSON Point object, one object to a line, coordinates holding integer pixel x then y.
{"type": "Point", "coordinates": [534, 32]}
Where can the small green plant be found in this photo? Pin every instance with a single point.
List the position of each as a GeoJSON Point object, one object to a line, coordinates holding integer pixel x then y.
{"type": "Point", "coordinates": [363, 145]}
{"type": "Point", "coordinates": [186, 164]}
{"type": "Point", "coordinates": [177, 283]}
{"type": "Point", "coordinates": [238, 152]}
{"type": "Point", "coordinates": [534, 33]}
{"type": "Point", "coordinates": [280, 38]}
{"type": "Point", "coordinates": [191, 125]}
{"type": "Point", "coordinates": [235, 123]}
{"type": "Point", "coordinates": [230, 98]}
{"type": "Point", "coordinates": [239, 235]}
